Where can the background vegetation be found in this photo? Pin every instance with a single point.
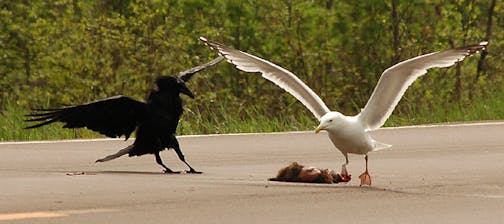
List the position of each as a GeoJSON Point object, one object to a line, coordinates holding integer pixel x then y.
{"type": "Point", "coordinates": [64, 52]}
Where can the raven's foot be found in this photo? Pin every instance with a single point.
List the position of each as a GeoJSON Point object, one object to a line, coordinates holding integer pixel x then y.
{"type": "Point", "coordinates": [193, 171]}
{"type": "Point", "coordinates": [171, 171]}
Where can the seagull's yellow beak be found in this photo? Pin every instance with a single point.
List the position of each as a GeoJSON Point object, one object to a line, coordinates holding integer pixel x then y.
{"type": "Point", "coordinates": [320, 128]}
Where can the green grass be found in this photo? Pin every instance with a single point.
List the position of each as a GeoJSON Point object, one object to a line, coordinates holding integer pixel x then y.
{"type": "Point", "coordinates": [222, 118]}
{"type": "Point", "coordinates": [478, 109]}
{"type": "Point", "coordinates": [12, 128]}
{"type": "Point", "coordinates": [219, 119]}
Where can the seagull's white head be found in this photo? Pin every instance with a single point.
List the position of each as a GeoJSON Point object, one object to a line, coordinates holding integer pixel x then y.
{"type": "Point", "coordinates": [329, 122]}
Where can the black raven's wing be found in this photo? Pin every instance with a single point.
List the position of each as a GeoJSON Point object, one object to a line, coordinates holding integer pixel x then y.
{"type": "Point", "coordinates": [187, 74]}
{"type": "Point", "coordinates": [113, 117]}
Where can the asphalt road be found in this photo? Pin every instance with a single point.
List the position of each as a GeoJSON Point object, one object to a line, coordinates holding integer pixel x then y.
{"type": "Point", "coordinates": [433, 174]}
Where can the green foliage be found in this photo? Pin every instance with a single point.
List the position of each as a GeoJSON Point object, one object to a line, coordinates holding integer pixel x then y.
{"type": "Point", "coordinates": [12, 128]}
{"type": "Point", "coordinates": [62, 52]}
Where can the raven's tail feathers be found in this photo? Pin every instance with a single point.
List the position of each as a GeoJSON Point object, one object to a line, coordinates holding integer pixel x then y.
{"type": "Point", "coordinates": [118, 154]}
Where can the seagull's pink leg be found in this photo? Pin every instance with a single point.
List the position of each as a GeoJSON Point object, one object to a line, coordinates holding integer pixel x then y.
{"type": "Point", "coordinates": [345, 177]}
{"type": "Point", "coordinates": [365, 178]}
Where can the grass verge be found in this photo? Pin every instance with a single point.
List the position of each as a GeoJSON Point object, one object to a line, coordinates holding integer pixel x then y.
{"type": "Point", "coordinates": [219, 119]}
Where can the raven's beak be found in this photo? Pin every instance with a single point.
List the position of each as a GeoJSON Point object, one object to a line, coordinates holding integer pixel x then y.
{"type": "Point", "coordinates": [320, 128]}
{"type": "Point", "coordinates": [183, 89]}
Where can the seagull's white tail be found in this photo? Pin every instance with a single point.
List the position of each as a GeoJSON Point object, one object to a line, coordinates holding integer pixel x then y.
{"type": "Point", "coordinates": [380, 145]}
{"type": "Point", "coordinates": [117, 154]}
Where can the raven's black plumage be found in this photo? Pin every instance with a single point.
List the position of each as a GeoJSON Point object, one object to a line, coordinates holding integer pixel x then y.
{"type": "Point", "coordinates": [155, 121]}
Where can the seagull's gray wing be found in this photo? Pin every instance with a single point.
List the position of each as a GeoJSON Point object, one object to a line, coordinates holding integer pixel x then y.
{"type": "Point", "coordinates": [274, 73]}
{"type": "Point", "coordinates": [395, 80]}
{"type": "Point", "coordinates": [187, 74]}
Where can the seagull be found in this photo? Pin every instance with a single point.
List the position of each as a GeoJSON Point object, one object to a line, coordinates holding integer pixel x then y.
{"type": "Point", "coordinates": [350, 134]}
{"type": "Point", "coordinates": [155, 120]}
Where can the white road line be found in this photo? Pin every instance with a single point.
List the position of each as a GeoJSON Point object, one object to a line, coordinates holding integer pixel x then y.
{"type": "Point", "coordinates": [489, 123]}
{"type": "Point", "coordinates": [29, 215]}
{"type": "Point", "coordinates": [50, 214]}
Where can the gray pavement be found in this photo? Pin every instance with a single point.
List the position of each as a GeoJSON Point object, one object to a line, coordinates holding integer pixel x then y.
{"type": "Point", "coordinates": [433, 174]}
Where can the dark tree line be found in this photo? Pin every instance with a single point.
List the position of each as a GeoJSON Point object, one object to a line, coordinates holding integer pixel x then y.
{"type": "Point", "coordinates": [85, 50]}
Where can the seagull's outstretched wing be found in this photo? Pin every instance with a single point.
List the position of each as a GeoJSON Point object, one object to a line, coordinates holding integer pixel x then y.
{"type": "Point", "coordinates": [395, 80]}
{"type": "Point", "coordinates": [113, 117]}
{"type": "Point", "coordinates": [187, 74]}
{"type": "Point", "coordinates": [274, 73]}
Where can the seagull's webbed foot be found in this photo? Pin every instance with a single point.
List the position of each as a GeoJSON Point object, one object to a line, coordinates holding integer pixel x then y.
{"type": "Point", "coordinates": [365, 179]}
{"type": "Point", "coordinates": [345, 177]}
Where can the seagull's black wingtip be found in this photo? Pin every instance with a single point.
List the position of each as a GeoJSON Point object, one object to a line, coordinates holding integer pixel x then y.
{"type": "Point", "coordinates": [472, 49]}
{"type": "Point", "coordinates": [483, 44]}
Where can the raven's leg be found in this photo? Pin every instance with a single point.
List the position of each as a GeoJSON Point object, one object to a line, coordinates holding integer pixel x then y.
{"type": "Point", "coordinates": [176, 147]}
{"type": "Point", "coordinates": [160, 162]}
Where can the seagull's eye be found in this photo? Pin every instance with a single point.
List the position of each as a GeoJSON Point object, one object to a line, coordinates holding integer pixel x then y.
{"type": "Point", "coordinates": [330, 120]}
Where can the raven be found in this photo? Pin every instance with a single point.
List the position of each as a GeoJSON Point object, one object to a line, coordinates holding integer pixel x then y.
{"type": "Point", "coordinates": [155, 121]}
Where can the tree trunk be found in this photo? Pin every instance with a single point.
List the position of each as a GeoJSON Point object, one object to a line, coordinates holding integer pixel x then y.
{"type": "Point", "coordinates": [396, 39]}
{"type": "Point", "coordinates": [457, 89]}
{"type": "Point", "coordinates": [481, 65]}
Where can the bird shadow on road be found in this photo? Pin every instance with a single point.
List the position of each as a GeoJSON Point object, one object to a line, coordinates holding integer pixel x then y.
{"type": "Point", "coordinates": [336, 186]}
{"type": "Point", "coordinates": [77, 173]}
